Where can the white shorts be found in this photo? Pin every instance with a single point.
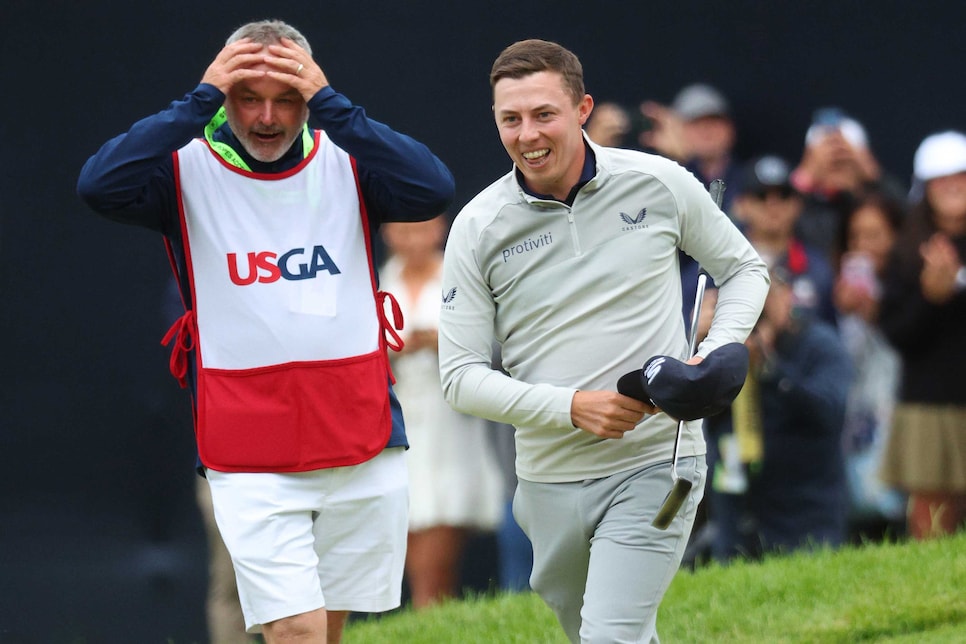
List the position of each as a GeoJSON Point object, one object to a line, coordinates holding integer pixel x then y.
{"type": "Point", "coordinates": [333, 538]}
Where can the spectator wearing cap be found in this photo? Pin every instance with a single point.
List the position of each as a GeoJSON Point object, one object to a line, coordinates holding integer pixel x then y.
{"type": "Point", "coordinates": [697, 131]}
{"type": "Point", "coordinates": [837, 165]}
{"type": "Point", "coordinates": [767, 209]}
{"type": "Point", "coordinates": [923, 314]}
{"type": "Point", "coordinates": [777, 472]}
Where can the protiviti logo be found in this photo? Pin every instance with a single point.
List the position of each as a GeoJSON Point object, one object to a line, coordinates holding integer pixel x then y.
{"type": "Point", "coordinates": [267, 267]}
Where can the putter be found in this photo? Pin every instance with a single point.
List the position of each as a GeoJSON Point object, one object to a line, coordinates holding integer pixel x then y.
{"type": "Point", "coordinates": [680, 487]}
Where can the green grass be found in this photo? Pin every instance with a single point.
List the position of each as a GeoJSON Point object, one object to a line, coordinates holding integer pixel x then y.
{"type": "Point", "coordinates": [898, 593]}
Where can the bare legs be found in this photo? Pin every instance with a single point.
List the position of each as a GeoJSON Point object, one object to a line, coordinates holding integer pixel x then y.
{"type": "Point", "coordinates": [315, 627]}
{"type": "Point", "coordinates": [933, 514]}
{"type": "Point", "coordinates": [433, 561]}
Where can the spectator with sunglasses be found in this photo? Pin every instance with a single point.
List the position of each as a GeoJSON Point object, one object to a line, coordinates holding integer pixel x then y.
{"type": "Point", "coordinates": [767, 209]}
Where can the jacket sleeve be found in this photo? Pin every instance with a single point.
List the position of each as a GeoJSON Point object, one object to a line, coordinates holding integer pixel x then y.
{"type": "Point", "coordinates": [131, 178]}
{"type": "Point", "coordinates": [725, 253]}
{"type": "Point", "coordinates": [466, 332]}
{"type": "Point", "coordinates": [401, 179]}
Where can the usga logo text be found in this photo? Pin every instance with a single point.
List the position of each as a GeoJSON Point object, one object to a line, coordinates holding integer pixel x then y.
{"type": "Point", "coordinates": [266, 266]}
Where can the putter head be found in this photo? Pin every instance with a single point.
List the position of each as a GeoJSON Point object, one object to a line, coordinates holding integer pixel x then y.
{"type": "Point", "coordinates": [672, 503]}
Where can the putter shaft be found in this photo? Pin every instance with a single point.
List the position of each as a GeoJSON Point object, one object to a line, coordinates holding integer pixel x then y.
{"type": "Point", "coordinates": [680, 487]}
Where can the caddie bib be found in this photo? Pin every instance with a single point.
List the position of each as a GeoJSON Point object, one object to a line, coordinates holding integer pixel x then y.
{"type": "Point", "coordinates": [287, 329]}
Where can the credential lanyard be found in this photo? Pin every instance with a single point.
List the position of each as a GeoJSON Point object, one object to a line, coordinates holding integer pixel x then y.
{"type": "Point", "coordinates": [226, 152]}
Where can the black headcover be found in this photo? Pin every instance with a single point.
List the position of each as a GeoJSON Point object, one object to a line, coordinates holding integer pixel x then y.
{"type": "Point", "coordinates": [687, 392]}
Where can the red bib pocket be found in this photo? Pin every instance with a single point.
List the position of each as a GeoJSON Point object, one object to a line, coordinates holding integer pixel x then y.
{"type": "Point", "coordinates": [294, 417]}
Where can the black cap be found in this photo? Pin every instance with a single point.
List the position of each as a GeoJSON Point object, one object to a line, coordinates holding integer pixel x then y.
{"type": "Point", "coordinates": [688, 392]}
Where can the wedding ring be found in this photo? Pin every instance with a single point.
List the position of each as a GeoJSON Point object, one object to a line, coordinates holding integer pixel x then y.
{"type": "Point", "coordinates": [298, 72]}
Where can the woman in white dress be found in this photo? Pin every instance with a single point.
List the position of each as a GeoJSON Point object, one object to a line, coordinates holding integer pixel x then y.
{"type": "Point", "coordinates": [455, 484]}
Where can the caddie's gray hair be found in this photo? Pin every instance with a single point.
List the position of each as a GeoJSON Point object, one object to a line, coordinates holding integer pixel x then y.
{"type": "Point", "coordinates": [270, 32]}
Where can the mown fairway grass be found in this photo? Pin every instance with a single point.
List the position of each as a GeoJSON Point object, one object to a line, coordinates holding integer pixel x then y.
{"type": "Point", "coordinates": [908, 593]}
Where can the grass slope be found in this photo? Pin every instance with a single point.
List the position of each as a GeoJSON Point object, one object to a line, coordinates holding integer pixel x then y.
{"type": "Point", "coordinates": [900, 593]}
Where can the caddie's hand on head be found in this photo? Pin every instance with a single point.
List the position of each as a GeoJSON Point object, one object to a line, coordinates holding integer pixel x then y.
{"type": "Point", "coordinates": [293, 65]}
{"type": "Point", "coordinates": [233, 64]}
{"type": "Point", "coordinates": [607, 414]}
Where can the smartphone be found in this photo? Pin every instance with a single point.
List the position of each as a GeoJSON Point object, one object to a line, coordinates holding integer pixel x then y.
{"type": "Point", "coordinates": [858, 269]}
{"type": "Point", "coordinates": [828, 117]}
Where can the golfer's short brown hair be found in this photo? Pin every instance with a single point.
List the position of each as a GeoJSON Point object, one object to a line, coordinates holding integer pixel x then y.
{"type": "Point", "coordinates": [531, 56]}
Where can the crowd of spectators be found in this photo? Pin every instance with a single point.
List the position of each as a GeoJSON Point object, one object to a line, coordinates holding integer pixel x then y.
{"type": "Point", "coordinates": [852, 425]}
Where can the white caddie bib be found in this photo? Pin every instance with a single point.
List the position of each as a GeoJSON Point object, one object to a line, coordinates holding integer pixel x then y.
{"type": "Point", "coordinates": [291, 367]}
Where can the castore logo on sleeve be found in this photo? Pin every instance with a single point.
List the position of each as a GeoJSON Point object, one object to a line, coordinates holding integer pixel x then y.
{"type": "Point", "coordinates": [267, 267]}
{"type": "Point", "coordinates": [448, 298]}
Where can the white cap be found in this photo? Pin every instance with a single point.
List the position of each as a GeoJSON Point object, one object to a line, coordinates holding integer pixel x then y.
{"type": "Point", "coordinates": [940, 155]}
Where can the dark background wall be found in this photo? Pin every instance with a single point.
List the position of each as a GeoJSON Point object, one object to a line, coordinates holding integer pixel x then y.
{"type": "Point", "coordinates": [100, 540]}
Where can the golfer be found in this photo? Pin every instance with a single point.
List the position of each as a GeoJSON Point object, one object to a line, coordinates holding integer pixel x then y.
{"type": "Point", "coordinates": [269, 226]}
{"type": "Point", "coordinates": [570, 261]}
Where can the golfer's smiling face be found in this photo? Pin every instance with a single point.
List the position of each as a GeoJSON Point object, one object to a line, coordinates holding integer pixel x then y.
{"type": "Point", "coordinates": [540, 127]}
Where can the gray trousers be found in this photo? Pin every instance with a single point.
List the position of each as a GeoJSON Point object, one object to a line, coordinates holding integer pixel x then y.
{"type": "Point", "coordinates": [597, 560]}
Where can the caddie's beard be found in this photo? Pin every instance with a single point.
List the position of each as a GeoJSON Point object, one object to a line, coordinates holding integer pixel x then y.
{"type": "Point", "coordinates": [265, 144]}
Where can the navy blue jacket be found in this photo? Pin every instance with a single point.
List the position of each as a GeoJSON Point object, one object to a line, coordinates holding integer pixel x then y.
{"type": "Point", "coordinates": [131, 178]}
{"type": "Point", "coordinates": [797, 495]}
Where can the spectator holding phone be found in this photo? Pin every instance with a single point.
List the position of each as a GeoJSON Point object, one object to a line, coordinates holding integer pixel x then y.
{"type": "Point", "coordinates": [836, 168]}
{"type": "Point", "coordinates": [869, 234]}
